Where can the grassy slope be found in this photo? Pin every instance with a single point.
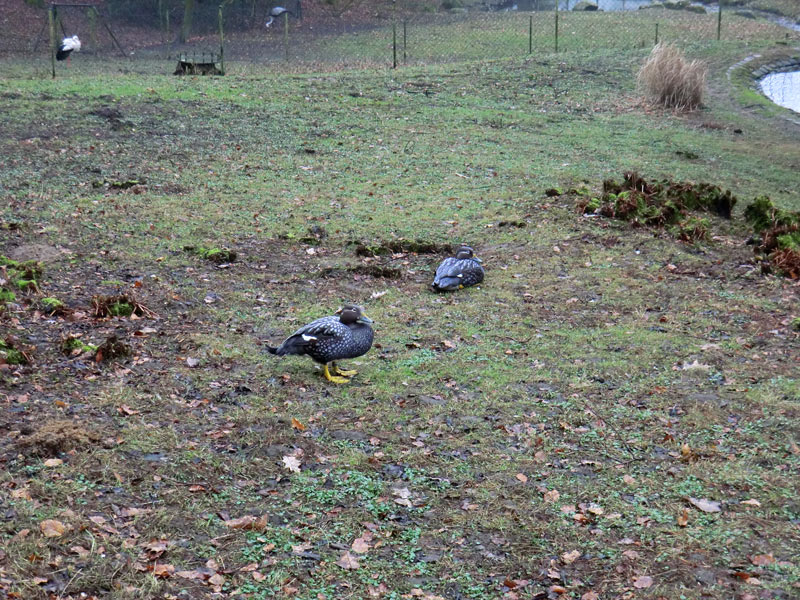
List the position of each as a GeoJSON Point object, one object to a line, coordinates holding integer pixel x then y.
{"type": "Point", "coordinates": [621, 369]}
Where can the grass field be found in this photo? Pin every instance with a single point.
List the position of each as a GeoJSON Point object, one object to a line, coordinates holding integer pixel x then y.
{"type": "Point", "coordinates": [612, 414]}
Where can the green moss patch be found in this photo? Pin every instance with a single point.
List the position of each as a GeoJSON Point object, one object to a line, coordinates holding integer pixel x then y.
{"type": "Point", "coordinates": [779, 231]}
{"type": "Point", "coordinates": [53, 306]}
{"type": "Point", "coordinates": [216, 255]}
{"type": "Point", "coordinates": [660, 204]}
{"type": "Point", "coordinates": [73, 346]}
{"type": "Point", "coordinates": [11, 354]}
{"type": "Point", "coordinates": [122, 305]}
{"type": "Point", "coordinates": [18, 276]}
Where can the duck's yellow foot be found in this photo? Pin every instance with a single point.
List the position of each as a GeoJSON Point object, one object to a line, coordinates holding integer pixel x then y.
{"type": "Point", "coordinates": [334, 378]}
{"type": "Point", "coordinates": [343, 372]}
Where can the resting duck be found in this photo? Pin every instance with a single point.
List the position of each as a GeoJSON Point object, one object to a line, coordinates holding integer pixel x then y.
{"type": "Point", "coordinates": [347, 334]}
{"type": "Point", "coordinates": [455, 273]}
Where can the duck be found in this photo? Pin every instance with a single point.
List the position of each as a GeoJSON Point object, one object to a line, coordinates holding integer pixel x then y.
{"type": "Point", "coordinates": [458, 272]}
{"type": "Point", "coordinates": [346, 334]}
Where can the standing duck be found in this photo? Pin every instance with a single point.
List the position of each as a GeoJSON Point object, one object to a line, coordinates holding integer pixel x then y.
{"type": "Point", "coordinates": [455, 273]}
{"type": "Point", "coordinates": [347, 334]}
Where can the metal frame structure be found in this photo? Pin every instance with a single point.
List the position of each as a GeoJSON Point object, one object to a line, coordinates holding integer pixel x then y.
{"type": "Point", "coordinates": [53, 19]}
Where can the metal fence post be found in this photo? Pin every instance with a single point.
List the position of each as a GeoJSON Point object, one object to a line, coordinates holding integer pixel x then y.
{"type": "Point", "coordinates": [221, 43]}
{"type": "Point", "coordinates": [91, 14]}
{"type": "Point", "coordinates": [530, 34]}
{"type": "Point", "coordinates": [405, 39]}
{"type": "Point", "coordinates": [286, 35]}
{"type": "Point", "coordinates": [394, 44]}
{"type": "Point", "coordinates": [51, 21]}
{"type": "Point", "coordinates": [719, 20]}
{"type": "Point", "coordinates": [656, 34]}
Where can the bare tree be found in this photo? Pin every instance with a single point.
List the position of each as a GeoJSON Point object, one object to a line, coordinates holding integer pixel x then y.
{"type": "Point", "coordinates": [188, 15]}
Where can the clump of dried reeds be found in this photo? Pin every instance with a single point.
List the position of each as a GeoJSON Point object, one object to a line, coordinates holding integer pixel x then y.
{"type": "Point", "coordinates": [667, 79]}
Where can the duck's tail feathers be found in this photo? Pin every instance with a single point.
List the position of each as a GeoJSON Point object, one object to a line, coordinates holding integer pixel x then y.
{"type": "Point", "coordinates": [446, 284]}
{"type": "Point", "coordinates": [294, 345]}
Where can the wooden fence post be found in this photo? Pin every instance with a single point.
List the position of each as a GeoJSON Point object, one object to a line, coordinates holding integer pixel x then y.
{"type": "Point", "coordinates": [556, 27]}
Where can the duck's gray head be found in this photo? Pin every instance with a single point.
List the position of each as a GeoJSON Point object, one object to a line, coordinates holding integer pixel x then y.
{"type": "Point", "coordinates": [351, 313]}
{"type": "Point", "coordinates": [466, 252]}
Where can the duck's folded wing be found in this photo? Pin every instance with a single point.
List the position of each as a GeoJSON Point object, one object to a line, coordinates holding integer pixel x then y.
{"type": "Point", "coordinates": [450, 267]}
{"type": "Point", "coordinates": [326, 327]}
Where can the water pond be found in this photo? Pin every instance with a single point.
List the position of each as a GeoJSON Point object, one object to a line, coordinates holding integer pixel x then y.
{"type": "Point", "coordinates": [783, 89]}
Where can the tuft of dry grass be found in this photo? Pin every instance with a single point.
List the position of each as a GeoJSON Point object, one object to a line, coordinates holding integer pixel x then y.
{"type": "Point", "coordinates": [668, 79]}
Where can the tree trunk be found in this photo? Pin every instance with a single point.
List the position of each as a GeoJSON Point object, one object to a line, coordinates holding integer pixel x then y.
{"type": "Point", "coordinates": [186, 26]}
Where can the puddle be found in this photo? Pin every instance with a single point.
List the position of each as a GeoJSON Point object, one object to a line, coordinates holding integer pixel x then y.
{"type": "Point", "coordinates": [783, 89]}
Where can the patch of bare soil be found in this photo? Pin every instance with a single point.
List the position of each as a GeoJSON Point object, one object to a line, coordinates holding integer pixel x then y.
{"type": "Point", "coordinates": [401, 246]}
{"type": "Point", "coordinates": [38, 252]}
{"type": "Point", "coordinates": [55, 437]}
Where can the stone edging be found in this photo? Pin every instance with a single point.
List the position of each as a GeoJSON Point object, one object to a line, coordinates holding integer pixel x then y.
{"type": "Point", "coordinates": [781, 66]}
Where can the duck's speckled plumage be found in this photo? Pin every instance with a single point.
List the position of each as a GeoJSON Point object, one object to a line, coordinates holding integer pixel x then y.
{"type": "Point", "coordinates": [337, 337]}
{"type": "Point", "coordinates": [463, 270]}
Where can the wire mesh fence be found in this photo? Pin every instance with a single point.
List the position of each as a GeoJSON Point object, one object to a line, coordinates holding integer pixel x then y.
{"type": "Point", "coordinates": [406, 34]}
{"type": "Point", "coordinates": [351, 33]}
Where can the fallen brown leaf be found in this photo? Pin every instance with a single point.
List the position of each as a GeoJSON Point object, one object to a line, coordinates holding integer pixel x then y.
{"type": "Point", "coordinates": [163, 570]}
{"type": "Point", "coordinates": [683, 518]}
{"type": "Point", "coordinates": [155, 548]}
{"type": "Point", "coordinates": [292, 463]}
{"type": "Point", "coordinates": [21, 494]}
{"type": "Point", "coordinates": [551, 496]}
{"type": "Point", "coordinates": [348, 561]}
{"type": "Point", "coordinates": [248, 522]}
{"type": "Point", "coordinates": [570, 557]}
{"type": "Point", "coordinates": [52, 528]}
{"type": "Point", "coordinates": [195, 574]}
{"type": "Point", "coordinates": [376, 591]}
{"type": "Point", "coordinates": [709, 506]}
{"type": "Point", "coordinates": [360, 545]}
{"type": "Point", "coordinates": [302, 547]}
